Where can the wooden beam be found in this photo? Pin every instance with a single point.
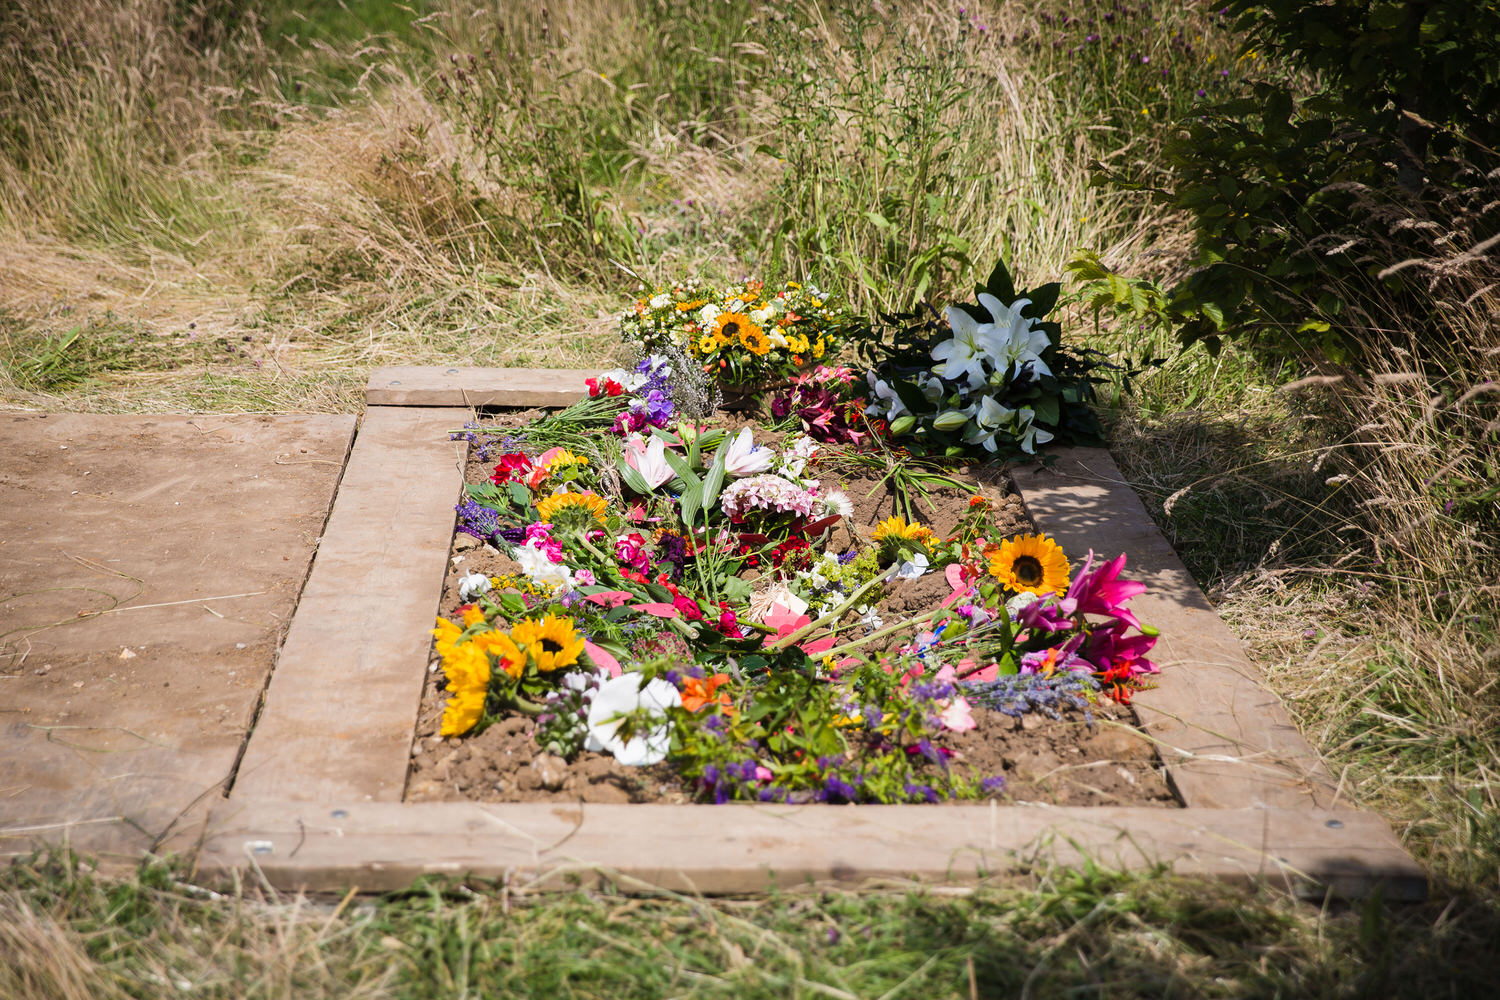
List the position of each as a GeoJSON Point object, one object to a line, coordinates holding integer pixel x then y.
{"type": "Point", "coordinates": [1225, 737]}
{"type": "Point", "coordinates": [415, 385]}
{"type": "Point", "coordinates": [343, 699]}
{"type": "Point", "coordinates": [748, 848]}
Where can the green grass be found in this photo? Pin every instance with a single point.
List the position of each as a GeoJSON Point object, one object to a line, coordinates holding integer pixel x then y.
{"type": "Point", "coordinates": [66, 932]}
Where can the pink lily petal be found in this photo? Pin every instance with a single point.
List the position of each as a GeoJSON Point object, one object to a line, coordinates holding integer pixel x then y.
{"type": "Point", "coordinates": [958, 716]}
{"type": "Point", "coordinates": [610, 598]}
{"type": "Point", "coordinates": [602, 659]}
{"type": "Point", "coordinates": [819, 646]}
{"type": "Point", "coordinates": [658, 609]}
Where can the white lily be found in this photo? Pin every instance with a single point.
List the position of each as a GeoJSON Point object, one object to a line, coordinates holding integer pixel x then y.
{"type": "Point", "coordinates": [912, 568]}
{"type": "Point", "coordinates": [1030, 434]}
{"type": "Point", "coordinates": [744, 457]}
{"type": "Point", "coordinates": [649, 458]}
{"type": "Point", "coordinates": [621, 696]}
{"type": "Point", "coordinates": [887, 404]}
{"type": "Point", "coordinates": [472, 586]}
{"type": "Point", "coordinates": [1018, 340]}
{"type": "Point", "coordinates": [972, 344]}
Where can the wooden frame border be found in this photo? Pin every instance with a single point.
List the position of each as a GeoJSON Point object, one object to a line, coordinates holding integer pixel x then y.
{"type": "Point", "coordinates": [1259, 804]}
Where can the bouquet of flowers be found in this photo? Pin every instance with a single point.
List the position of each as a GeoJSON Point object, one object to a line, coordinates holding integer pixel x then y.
{"type": "Point", "coordinates": [996, 378]}
{"type": "Point", "coordinates": [743, 335]}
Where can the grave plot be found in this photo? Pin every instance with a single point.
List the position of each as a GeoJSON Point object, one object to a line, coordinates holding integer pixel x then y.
{"type": "Point", "coordinates": [320, 799]}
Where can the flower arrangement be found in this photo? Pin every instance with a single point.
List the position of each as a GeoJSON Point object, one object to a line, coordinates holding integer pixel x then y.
{"type": "Point", "coordinates": [992, 380]}
{"type": "Point", "coordinates": [682, 598]}
{"type": "Point", "coordinates": [743, 335]}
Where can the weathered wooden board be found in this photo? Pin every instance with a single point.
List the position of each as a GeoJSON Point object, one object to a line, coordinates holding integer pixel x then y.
{"type": "Point", "coordinates": [429, 386]}
{"type": "Point", "coordinates": [1227, 740]}
{"type": "Point", "coordinates": [116, 718]}
{"type": "Point", "coordinates": [746, 848]}
{"type": "Point", "coordinates": [343, 700]}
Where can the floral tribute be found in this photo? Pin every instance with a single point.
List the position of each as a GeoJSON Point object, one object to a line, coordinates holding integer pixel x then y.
{"type": "Point", "coordinates": [744, 335]}
{"type": "Point", "coordinates": [991, 378]}
{"type": "Point", "coordinates": [685, 595]}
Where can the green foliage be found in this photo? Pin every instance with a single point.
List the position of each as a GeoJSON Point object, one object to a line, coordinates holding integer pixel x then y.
{"type": "Point", "coordinates": [1303, 245]}
{"type": "Point", "coordinates": [1438, 60]}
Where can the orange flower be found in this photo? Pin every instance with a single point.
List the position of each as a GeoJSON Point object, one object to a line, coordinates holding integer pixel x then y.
{"type": "Point", "coordinates": [696, 693]}
{"type": "Point", "coordinates": [472, 615]}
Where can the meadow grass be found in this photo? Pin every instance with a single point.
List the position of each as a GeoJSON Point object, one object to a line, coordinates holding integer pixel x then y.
{"type": "Point", "coordinates": [223, 207]}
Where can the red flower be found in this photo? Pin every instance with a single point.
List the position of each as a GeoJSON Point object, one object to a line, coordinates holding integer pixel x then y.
{"type": "Point", "coordinates": [689, 608]}
{"type": "Point", "coordinates": [509, 467]}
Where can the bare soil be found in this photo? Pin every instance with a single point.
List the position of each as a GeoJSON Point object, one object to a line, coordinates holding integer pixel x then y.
{"type": "Point", "coordinates": [1063, 761]}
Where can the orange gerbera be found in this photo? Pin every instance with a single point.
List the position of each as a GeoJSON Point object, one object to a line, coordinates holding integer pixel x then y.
{"type": "Point", "coordinates": [698, 692]}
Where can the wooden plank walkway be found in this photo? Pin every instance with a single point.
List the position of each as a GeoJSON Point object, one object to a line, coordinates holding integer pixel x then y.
{"type": "Point", "coordinates": [429, 386]}
{"type": "Point", "coordinates": [1226, 739]}
{"type": "Point", "coordinates": [748, 848]}
{"type": "Point", "coordinates": [342, 704]}
{"type": "Point", "coordinates": [119, 720]}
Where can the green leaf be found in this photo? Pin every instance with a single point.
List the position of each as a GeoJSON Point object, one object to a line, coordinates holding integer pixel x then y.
{"type": "Point", "coordinates": [1000, 284]}
{"type": "Point", "coordinates": [713, 480]}
{"type": "Point", "coordinates": [632, 477]}
{"type": "Point", "coordinates": [519, 495]}
{"type": "Point", "coordinates": [691, 502]}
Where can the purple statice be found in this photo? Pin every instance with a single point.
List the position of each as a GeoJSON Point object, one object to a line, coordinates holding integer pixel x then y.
{"type": "Point", "coordinates": [477, 520]}
{"type": "Point", "coordinates": [481, 445]}
{"type": "Point", "coordinates": [994, 783]}
{"type": "Point", "coordinates": [837, 790]}
{"type": "Point", "coordinates": [672, 550]}
{"type": "Point", "coordinates": [1017, 694]}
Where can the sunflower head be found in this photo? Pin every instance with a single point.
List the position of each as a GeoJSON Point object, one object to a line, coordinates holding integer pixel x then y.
{"type": "Point", "coordinates": [755, 341]}
{"type": "Point", "coordinates": [507, 655]}
{"type": "Point", "coordinates": [467, 670]}
{"type": "Point", "coordinates": [1032, 564]}
{"type": "Point", "coordinates": [708, 343]}
{"type": "Point", "coordinates": [560, 508]}
{"type": "Point", "coordinates": [552, 642]}
{"type": "Point", "coordinates": [897, 528]}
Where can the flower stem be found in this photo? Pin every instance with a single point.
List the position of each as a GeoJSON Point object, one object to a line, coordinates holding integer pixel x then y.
{"type": "Point", "coordinates": [899, 626]}
{"type": "Point", "coordinates": [833, 615]}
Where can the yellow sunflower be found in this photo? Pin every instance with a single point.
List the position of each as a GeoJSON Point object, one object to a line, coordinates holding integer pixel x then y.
{"type": "Point", "coordinates": [564, 458]}
{"type": "Point", "coordinates": [593, 503]}
{"type": "Point", "coordinates": [733, 326]}
{"type": "Point", "coordinates": [468, 674]}
{"type": "Point", "coordinates": [551, 641]}
{"type": "Point", "coordinates": [1031, 563]}
{"type": "Point", "coordinates": [896, 527]}
{"type": "Point", "coordinates": [709, 343]}
{"type": "Point", "coordinates": [445, 636]}
{"type": "Point", "coordinates": [508, 655]}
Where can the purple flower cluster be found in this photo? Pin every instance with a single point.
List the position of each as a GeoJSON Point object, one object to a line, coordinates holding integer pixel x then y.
{"type": "Point", "coordinates": [1017, 694]}
{"type": "Point", "coordinates": [477, 520]}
